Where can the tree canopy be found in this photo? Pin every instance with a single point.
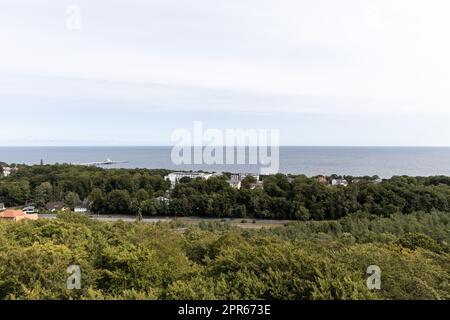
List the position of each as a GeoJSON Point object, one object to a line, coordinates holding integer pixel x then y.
{"type": "Point", "coordinates": [303, 260]}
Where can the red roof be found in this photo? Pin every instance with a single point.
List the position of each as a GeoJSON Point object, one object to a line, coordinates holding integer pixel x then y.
{"type": "Point", "coordinates": [11, 213]}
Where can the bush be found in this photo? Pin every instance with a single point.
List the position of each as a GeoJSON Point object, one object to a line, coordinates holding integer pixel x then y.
{"type": "Point", "coordinates": [418, 240]}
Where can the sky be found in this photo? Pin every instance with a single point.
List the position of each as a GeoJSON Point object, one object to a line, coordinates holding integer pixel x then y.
{"type": "Point", "coordinates": [323, 72]}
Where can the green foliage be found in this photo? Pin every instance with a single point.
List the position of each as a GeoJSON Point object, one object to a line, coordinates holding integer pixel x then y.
{"type": "Point", "coordinates": [40, 184]}
{"type": "Point", "coordinates": [303, 260]}
{"type": "Point", "coordinates": [72, 199]}
{"type": "Point", "coordinates": [119, 201]}
{"type": "Point", "coordinates": [401, 224]}
{"type": "Point", "coordinates": [124, 191]}
{"type": "Point", "coordinates": [417, 240]}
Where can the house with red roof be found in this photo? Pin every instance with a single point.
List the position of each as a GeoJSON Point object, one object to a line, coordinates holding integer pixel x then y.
{"type": "Point", "coordinates": [17, 215]}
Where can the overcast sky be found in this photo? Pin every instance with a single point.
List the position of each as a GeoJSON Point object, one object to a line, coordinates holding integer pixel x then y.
{"type": "Point", "coordinates": [324, 72]}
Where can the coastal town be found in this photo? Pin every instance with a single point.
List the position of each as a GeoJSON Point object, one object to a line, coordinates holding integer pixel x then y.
{"type": "Point", "coordinates": [237, 181]}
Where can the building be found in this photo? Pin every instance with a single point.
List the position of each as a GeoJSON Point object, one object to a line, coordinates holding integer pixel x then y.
{"type": "Point", "coordinates": [368, 180]}
{"type": "Point", "coordinates": [30, 210]}
{"type": "Point", "coordinates": [258, 185]}
{"type": "Point", "coordinates": [7, 171]}
{"type": "Point", "coordinates": [56, 206]}
{"type": "Point", "coordinates": [175, 177]}
{"type": "Point", "coordinates": [235, 181]}
{"type": "Point", "coordinates": [17, 215]}
{"type": "Point", "coordinates": [339, 182]}
{"type": "Point", "coordinates": [2, 206]}
{"type": "Point", "coordinates": [82, 208]}
{"type": "Point", "coordinates": [163, 200]}
{"type": "Point", "coordinates": [378, 180]}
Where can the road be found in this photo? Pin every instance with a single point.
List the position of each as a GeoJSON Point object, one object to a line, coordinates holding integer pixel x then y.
{"type": "Point", "coordinates": [259, 223]}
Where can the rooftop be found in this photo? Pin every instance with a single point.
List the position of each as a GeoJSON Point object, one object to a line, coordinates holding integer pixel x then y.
{"type": "Point", "coordinates": [9, 214]}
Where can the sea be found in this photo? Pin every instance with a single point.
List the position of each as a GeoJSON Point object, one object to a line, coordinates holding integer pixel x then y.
{"type": "Point", "coordinates": [355, 161]}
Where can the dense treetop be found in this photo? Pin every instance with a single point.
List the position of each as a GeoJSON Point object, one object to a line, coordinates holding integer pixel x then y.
{"type": "Point", "coordinates": [304, 260]}
{"type": "Point", "coordinates": [401, 225]}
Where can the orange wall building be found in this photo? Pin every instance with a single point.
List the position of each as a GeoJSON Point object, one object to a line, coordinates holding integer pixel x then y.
{"type": "Point", "coordinates": [17, 215]}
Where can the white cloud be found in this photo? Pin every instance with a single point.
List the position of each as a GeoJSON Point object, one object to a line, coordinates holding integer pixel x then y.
{"type": "Point", "coordinates": [323, 56]}
{"type": "Point", "coordinates": [350, 48]}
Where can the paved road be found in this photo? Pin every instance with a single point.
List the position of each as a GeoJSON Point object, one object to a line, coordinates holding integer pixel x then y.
{"type": "Point", "coordinates": [112, 218]}
{"type": "Point", "coordinates": [248, 223]}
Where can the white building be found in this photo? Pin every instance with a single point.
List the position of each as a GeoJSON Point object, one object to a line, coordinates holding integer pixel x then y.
{"type": "Point", "coordinates": [257, 185]}
{"type": "Point", "coordinates": [7, 171]}
{"type": "Point", "coordinates": [339, 182]}
{"type": "Point", "coordinates": [236, 179]}
{"type": "Point", "coordinates": [30, 210]}
{"type": "Point", "coordinates": [2, 206]}
{"type": "Point", "coordinates": [163, 200]}
{"type": "Point", "coordinates": [175, 177]}
{"type": "Point", "coordinates": [83, 208]}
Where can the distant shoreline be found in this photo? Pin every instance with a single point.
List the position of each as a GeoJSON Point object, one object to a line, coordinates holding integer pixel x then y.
{"type": "Point", "coordinates": [386, 162]}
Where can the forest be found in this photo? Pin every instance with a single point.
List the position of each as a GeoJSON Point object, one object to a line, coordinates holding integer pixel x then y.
{"type": "Point", "coordinates": [294, 197]}
{"type": "Point", "coordinates": [311, 260]}
{"type": "Point", "coordinates": [401, 225]}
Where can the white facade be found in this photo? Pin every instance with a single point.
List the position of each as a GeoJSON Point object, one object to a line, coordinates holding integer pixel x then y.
{"type": "Point", "coordinates": [257, 185]}
{"type": "Point", "coordinates": [80, 210]}
{"type": "Point", "coordinates": [29, 210]}
{"type": "Point", "coordinates": [236, 179]}
{"type": "Point", "coordinates": [163, 200]}
{"type": "Point", "coordinates": [7, 171]}
{"type": "Point", "coordinates": [175, 177]}
{"type": "Point", "coordinates": [339, 182]}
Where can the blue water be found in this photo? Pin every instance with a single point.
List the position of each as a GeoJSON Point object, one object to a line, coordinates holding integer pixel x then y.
{"type": "Point", "coordinates": [356, 161]}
